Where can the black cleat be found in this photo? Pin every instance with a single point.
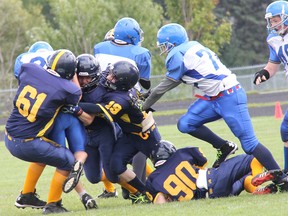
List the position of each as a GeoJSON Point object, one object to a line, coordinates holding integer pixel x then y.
{"type": "Point", "coordinates": [271, 175]}
{"type": "Point", "coordinates": [73, 178]}
{"type": "Point", "coordinates": [125, 193]}
{"type": "Point", "coordinates": [88, 202]}
{"type": "Point", "coordinates": [107, 194]}
{"type": "Point", "coordinates": [224, 152]}
{"type": "Point", "coordinates": [54, 207]}
{"type": "Point", "coordinates": [29, 200]}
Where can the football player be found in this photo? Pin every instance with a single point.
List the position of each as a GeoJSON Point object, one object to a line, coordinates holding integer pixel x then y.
{"type": "Point", "coordinates": [119, 104]}
{"type": "Point", "coordinates": [182, 175]}
{"type": "Point", "coordinates": [40, 96]}
{"type": "Point", "coordinates": [123, 42]}
{"type": "Point", "coordinates": [277, 24]}
{"type": "Point", "coordinates": [224, 97]}
{"type": "Point", "coordinates": [65, 126]}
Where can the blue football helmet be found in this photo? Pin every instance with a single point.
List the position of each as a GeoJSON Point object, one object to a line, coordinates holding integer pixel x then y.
{"type": "Point", "coordinates": [40, 46]}
{"type": "Point", "coordinates": [277, 8]}
{"type": "Point", "coordinates": [128, 30]}
{"type": "Point", "coordinates": [169, 36]}
{"type": "Point", "coordinates": [163, 151]}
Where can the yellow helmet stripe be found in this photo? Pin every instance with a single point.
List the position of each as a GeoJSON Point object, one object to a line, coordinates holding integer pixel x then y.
{"type": "Point", "coordinates": [53, 67]}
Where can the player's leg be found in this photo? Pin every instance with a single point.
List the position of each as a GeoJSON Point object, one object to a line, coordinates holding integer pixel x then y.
{"type": "Point", "coordinates": [106, 145]}
{"type": "Point", "coordinates": [284, 136]}
{"type": "Point", "coordinates": [231, 107]}
{"type": "Point", "coordinates": [28, 196]}
{"type": "Point", "coordinates": [192, 122]}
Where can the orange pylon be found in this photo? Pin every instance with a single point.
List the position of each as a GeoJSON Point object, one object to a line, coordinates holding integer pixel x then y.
{"type": "Point", "coordinates": [278, 111]}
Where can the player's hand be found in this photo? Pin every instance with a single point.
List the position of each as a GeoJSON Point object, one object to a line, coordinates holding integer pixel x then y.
{"type": "Point", "coordinates": [261, 76]}
{"type": "Point", "coordinates": [145, 95]}
{"type": "Point", "coordinates": [74, 110]}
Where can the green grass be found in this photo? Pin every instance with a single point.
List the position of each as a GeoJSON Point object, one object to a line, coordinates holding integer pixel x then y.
{"type": "Point", "coordinates": [266, 128]}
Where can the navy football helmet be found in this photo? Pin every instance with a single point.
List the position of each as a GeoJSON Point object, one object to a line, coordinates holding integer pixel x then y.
{"type": "Point", "coordinates": [63, 62]}
{"type": "Point", "coordinates": [277, 8]}
{"type": "Point", "coordinates": [128, 30]}
{"type": "Point", "coordinates": [164, 150]}
{"type": "Point", "coordinates": [125, 76]}
{"type": "Point", "coordinates": [169, 36]}
{"type": "Point", "coordinates": [40, 46]}
{"type": "Point", "coordinates": [87, 65]}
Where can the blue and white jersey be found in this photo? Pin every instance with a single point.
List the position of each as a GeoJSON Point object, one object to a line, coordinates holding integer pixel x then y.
{"type": "Point", "coordinates": [108, 52]}
{"type": "Point", "coordinates": [194, 64]}
{"type": "Point", "coordinates": [39, 58]}
{"type": "Point", "coordinates": [278, 47]}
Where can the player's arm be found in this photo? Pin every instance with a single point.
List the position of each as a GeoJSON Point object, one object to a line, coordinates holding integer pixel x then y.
{"type": "Point", "coordinates": [264, 74]}
{"type": "Point", "coordinates": [165, 85]}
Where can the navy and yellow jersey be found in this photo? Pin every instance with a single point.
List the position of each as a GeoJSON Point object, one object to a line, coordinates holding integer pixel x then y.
{"type": "Point", "coordinates": [39, 98]}
{"type": "Point", "coordinates": [177, 176]}
{"type": "Point", "coordinates": [118, 107]}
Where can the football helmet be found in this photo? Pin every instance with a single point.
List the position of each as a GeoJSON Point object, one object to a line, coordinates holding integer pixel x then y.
{"type": "Point", "coordinates": [128, 30]}
{"type": "Point", "coordinates": [169, 36]}
{"type": "Point", "coordinates": [87, 65]}
{"type": "Point", "coordinates": [164, 150]}
{"type": "Point", "coordinates": [63, 62]}
{"type": "Point", "coordinates": [277, 8]}
{"type": "Point", "coordinates": [109, 35]}
{"type": "Point", "coordinates": [40, 46]}
{"type": "Point", "coordinates": [125, 76]}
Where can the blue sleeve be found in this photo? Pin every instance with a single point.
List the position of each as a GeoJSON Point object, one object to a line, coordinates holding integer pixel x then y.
{"type": "Point", "coordinates": [175, 67]}
{"type": "Point", "coordinates": [273, 57]}
{"type": "Point", "coordinates": [143, 62]}
{"type": "Point", "coordinates": [17, 66]}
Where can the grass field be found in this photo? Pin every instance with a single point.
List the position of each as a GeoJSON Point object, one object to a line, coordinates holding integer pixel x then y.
{"type": "Point", "coordinates": [13, 172]}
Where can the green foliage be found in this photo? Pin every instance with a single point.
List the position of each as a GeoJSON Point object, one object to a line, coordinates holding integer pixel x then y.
{"type": "Point", "coordinates": [248, 42]}
{"type": "Point", "coordinates": [201, 23]}
{"type": "Point", "coordinates": [14, 36]}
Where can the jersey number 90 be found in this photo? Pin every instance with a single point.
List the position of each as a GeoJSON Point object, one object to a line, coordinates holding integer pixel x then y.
{"type": "Point", "coordinates": [182, 181]}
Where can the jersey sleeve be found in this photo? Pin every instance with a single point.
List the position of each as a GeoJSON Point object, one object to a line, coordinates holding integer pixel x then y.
{"type": "Point", "coordinates": [143, 62]}
{"type": "Point", "coordinates": [175, 67]}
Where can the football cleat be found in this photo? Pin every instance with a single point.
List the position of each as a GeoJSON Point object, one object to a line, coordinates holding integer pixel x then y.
{"type": "Point", "coordinates": [107, 194]}
{"type": "Point", "coordinates": [73, 178]}
{"type": "Point", "coordinates": [224, 152]}
{"type": "Point", "coordinates": [54, 207]}
{"type": "Point", "coordinates": [29, 200]}
{"type": "Point", "coordinates": [271, 175]}
{"type": "Point", "coordinates": [125, 193]}
{"type": "Point", "coordinates": [139, 198]}
{"type": "Point", "coordinates": [268, 189]}
{"type": "Point", "coordinates": [88, 202]}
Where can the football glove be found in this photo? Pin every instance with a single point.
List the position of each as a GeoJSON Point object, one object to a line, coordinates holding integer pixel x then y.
{"type": "Point", "coordinates": [74, 110]}
{"type": "Point", "coordinates": [263, 75]}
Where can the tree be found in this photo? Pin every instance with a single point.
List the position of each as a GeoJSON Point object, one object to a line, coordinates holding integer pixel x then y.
{"type": "Point", "coordinates": [247, 45]}
{"type": "Point", "coordinates": [201, 23]}
{"type": "Point", "coordinates": [14, 36]}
